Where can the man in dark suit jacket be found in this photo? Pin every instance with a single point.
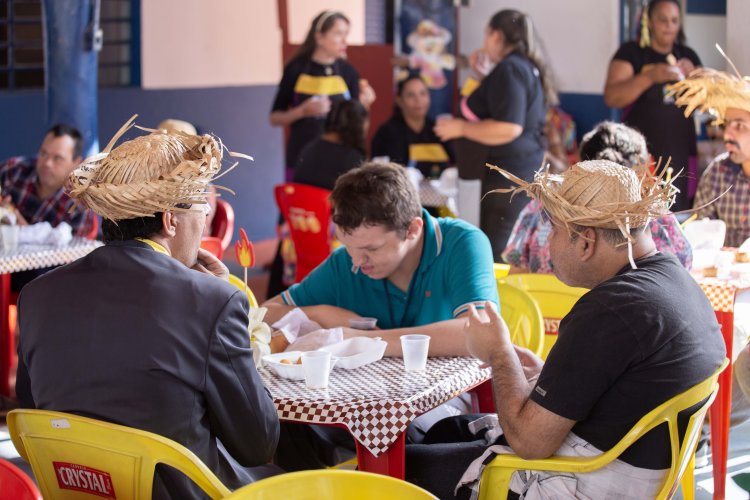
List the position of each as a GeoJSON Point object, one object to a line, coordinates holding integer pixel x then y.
{"type": "Point", "coordinates": [142, 332]}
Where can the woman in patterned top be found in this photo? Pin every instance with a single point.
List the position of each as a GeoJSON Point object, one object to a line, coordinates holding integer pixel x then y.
{"type": "Point", "coordinates": [528, 250]}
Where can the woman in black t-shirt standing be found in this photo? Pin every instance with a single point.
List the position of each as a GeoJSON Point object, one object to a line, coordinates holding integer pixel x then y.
{"type": "Point", "coordinates": [317, 75]}
{"type": "Point", "coordinates": [503, 121]}
{"type": "Point", "coordinates": [407, 137]}
{"type": "Point", "coordinates": [636, 79]}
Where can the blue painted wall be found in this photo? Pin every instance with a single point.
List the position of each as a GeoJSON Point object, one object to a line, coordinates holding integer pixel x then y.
{"type": "Point", "coordinates": [239, 115]}
{"type": "Point", "coordinates": [587, 110]}
{"type": "Point", "coordinates": [709, 7]}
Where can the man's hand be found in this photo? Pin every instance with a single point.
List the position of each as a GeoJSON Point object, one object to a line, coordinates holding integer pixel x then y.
{"type": "Point", "coordinates": [484, 338]}
{"type": "Point", "coordinates": [7, 203]}
{"type": "Point", "coordinates": [208, 263]}
{"type": "Point", "coordinates": [279, 343]}
{"type": "Point", "coordinates": [530, 362]}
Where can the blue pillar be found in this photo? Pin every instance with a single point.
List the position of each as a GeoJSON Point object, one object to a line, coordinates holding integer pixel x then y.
{"type": "Point", "coordinates": [71, 67]}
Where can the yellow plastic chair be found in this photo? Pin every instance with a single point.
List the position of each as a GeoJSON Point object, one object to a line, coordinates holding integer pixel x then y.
{"type": "Point", "coordinates": [72, 456]}
{"type": "Point", "coordinates": [331, 485]}
{"type": "Point", "coordinates": [496, 476]}
{"type": "Point", "coordinates": [501, 270]}
{"type": "Point", "coordinates": [241, 285]}
{"type": "Point", "coordinates": [523, 317]}
{"type": "Point", "coordinates": [554, 298]}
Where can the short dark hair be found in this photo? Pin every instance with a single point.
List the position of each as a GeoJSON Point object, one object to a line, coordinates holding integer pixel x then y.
{"type": "Point", "coordinates": [129, 229]}
{"type": "Point", "coordinates": [612, 236]}
{"type": "Point", "coordinates": [375, 194]}
{"type": "Point", "coordinates": [615, 142]}
{"type": "Point", "coordinates": [347, 119]}
{"type": "Point", "coordinates": [62, 129]}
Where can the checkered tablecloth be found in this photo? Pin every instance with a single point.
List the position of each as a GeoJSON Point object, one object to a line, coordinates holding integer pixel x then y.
{"type": "Point", "coordinates": [429, 196]}
{"type": "Point", "coordinates": [720, 292]}
{"type": "Point", "coordinates": [27, 257]}
{"type": "Point", "coordinates": [375, 402]}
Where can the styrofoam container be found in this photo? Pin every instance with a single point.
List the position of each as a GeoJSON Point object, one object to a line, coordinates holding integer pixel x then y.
{"type": "Point", "coordinates": [357, 351]}
{"type": "Point", "coordinates": [291, 371]}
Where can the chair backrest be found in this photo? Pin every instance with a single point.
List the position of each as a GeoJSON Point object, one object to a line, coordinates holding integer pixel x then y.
{"type": "Point", "coordinates": [241, 285]}
{"type": "Point", "coordinates": [496, 476]}
{"type": "Point", "coordinates": [16, 484]}
{"type": "Point", "coordinates": [554, 298]}
{"type": "Point", "coordinates": [523, 317]}
{"type": "Point", "coordinates": [77, 457]}
{"type": "Point", "coordinates": [213, 245]}
{"type": "Point", "coordinates": [500, 270]}
{"type": "Point", "coordinates": [331, 484]}
{"type": "Point", "coordinates": [222, 226]}
{"type": "Point", "coordinates": [682, 451]}
{"type": "Point", "coordinates": [307, 210]}
{"type": "Point", "coordinates": [94, 231]}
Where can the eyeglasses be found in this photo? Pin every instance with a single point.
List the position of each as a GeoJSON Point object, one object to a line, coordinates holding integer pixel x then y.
{"type": "Point", "coordinates": [196, 207]}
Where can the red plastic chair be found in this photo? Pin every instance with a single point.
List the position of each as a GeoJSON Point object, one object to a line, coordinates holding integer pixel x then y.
{"type": "Point", "coordinates": [213, 245]}
{"type": "Point", "coordinates": [16, 484]}
{"type": "Point", "coordinates": [308, 212]}
{"type": "Point", "coordinates": [222, 226]}
{"type": "Point", "coordinates": [94, 231]}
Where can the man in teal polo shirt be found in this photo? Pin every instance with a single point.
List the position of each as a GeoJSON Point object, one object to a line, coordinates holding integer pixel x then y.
{"type": "Point", "coordinates": [411, 271]}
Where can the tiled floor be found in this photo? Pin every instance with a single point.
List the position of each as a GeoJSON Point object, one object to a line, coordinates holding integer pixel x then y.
{"type": "Point", "coordinates": [739, 461]}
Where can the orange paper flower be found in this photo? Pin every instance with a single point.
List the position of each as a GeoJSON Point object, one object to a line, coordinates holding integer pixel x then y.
{"type": "Point", "coordinates": [244, 251]}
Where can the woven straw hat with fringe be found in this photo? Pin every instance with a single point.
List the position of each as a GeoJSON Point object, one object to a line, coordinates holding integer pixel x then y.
{"type": "Point", "coordinates": [712, 91]}
{"type": "Point", "coordinates": [161, 171]}
{"type": "Point", "coordinates": [599, 194]}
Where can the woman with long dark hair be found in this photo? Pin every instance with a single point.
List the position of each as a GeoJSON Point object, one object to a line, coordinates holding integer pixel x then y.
{"type": "Point", "coordinates": [315, 77]}
{"type": "Point", "coordinates": [338, 150]}
{"type": "Point", "coordinates": [503, 120]}
{"type": "Point", "coordinates": [636, 80]}
{"type": "Point", "coordinates": [408, 137]}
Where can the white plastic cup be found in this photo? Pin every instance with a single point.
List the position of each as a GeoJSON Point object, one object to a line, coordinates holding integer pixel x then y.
{"type": "Point", "coordinates": [317, 368]}
{"type": "Point", "coordinates": [415, 348]}
{"type": "Point", "coordinates": [9, 237]}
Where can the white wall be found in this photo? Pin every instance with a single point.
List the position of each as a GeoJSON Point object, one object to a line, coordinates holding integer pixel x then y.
{"type": "Point", "coordinates": [738, 42]}
{"type": "Point", "coordinates": [302, 12]}
{"type": "Point", "coordinates": [703, 33]}
{"type": "Point", "coordinates": [579, 36]}
{"type": "Point", "coordinates": [209, 43]}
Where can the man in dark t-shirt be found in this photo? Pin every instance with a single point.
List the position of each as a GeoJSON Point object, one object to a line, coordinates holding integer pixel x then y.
{"type": "Point", "coordinates": [644, 333]}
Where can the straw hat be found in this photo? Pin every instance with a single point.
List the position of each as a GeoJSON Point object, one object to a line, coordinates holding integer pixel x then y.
{"type": "Point", "coordinates": [713, 91]}
{"type": "Point", "coordinates": [598, 194]}
{"type": "Point", "coordinates": [175, 125]}
{"type": "Point", "coordinates": [161, 171]}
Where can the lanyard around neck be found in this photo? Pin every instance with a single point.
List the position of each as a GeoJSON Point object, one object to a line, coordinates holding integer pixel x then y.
{"type": "Point", "coordinates": [409, 293]}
